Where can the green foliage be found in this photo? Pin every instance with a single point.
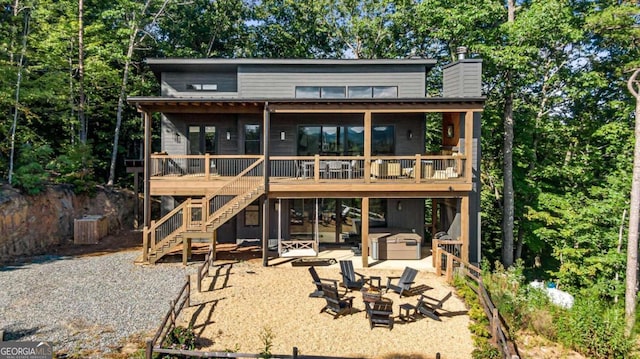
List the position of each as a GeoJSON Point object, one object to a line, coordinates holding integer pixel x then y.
{"type": "Point", "coordinates": [266, 336]}
{"type": "Point", "coordinates": [594, 329]}
{"type": "Point", "coordinates": [30, 175]}
{"type": "Point", "coordinates": [75, 167]}
{"type": "Point", "coordinates": [180, 338]}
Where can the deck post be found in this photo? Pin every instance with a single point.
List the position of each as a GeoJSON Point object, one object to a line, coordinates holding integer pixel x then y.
{"type": "Point", "coordinates": [367, 149]}
{"type": "Point", "coordinates": [364, 233]}
{"type": "Point", "coordinates": [148, 353]}
{"type": "Point", "coordinates": [266, 117]}
{"type": "Point", "coordinates": [147, 172]}
{"type": "Point", "coordinates": [468, 146]}
{"type": "Point", "coordinates": [464, 227]}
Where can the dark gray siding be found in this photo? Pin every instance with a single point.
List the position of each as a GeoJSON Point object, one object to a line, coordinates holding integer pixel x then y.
{"type": "Point", "coordinates": [403, 123]}
{"type": "Point", "coordinates": [410, 217]}
{"type": "Point", "coordinates": [280, 81]}
{"type": "Point", "coordinates": [175, 83]}
{"type": "Point", "coordinates": [179, 124]}
{"type": "Point", "coordinates": [462, 79]}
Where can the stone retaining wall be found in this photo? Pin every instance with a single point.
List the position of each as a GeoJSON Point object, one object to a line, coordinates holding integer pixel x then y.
{"type": "Point", "coordinates": [31, 224]}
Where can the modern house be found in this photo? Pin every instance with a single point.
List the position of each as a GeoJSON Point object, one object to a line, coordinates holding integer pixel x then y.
{"type": "Point", "coordinates": [294, 153]}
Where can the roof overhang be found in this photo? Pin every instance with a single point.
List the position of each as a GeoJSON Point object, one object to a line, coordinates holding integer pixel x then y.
{"type": "Point", "coordinates": [202, 105]}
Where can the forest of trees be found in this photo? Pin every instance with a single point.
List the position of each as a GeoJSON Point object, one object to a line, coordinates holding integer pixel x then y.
{"type": "Point", "coordinates": [558, 126]}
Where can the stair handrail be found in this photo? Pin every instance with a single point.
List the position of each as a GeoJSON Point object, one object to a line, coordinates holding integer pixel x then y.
{"type": "Point", "coordinates": [207, 203]}
{"type": "Point", "coordinates": [171, 220]}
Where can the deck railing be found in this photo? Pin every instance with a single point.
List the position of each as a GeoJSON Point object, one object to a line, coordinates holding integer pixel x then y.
{"type": "Point", "coordinates": [416, 168]}
{"type": "Point", "coordinates": [200, 165]}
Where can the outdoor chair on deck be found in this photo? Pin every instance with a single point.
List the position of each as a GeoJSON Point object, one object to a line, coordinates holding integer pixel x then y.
{"type": "Point", "coordinates": [318, 283]}
{"type": "Point", "coordinates": [405, 281]}
{"type": "Point", "coordinates": [349, 280]}
{"type": "Point", "coordinates": [335, 305]}
{"type": "Point", "coordinates": [380, 313]}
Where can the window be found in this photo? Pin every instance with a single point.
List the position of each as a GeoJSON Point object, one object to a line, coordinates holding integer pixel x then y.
{"type": "Point", "coordinates": [382, 140]}
{"type": "Point", "coordinates": [344, 140]}
{"type": "Point", "coordinates": [202, 139]}
{"type": "Point", "coordinates": [360, 92]}
{"type": "Point", "coordinates": [202, 87]}
{"type": "Point", "coordinates": [373, 91]}
{"type": "Point", "coordinates": [385, 91]}
{"type": "Point", "coordinates": [251, 139]}
{"type": "Point", "coordinates": [252, 216]}
{"type": "Point", "coordinates": [332, 92]}
{"type": "Point", "coordinates": [307, 92]}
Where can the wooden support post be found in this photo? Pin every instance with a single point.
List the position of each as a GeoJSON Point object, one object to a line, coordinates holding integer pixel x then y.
{"type": "Point", "coordinates": [188, 300]}
{"type": "Point", "coordinates": [468, 146]}
{"type": "Point", "coordinates": [464, 227]}
{"type": "Point", "coordinates": [185, 245]}
{"type": "Point", "coordinates": [316, 168]}
{"type": "Point", "coordinates": [207, 166]}
{"type": "Point", "coordinates": [417, 168]}
{"type": "Point", "coordinates": [153, 236]}
{"type": "Point", "coordinates": [147, 172]}
{"type": "Point", "coordinates": [434, 219]}
{"type": "Point", "coordinates": [367, 151]}
{"type": "Point", "coordinates": [172, 311]}
{"type": "Point", "coordinates": [199, 280]}
{"type": "Point", "coordinates": [295, 352]}
{"type": "Point", "coordinates": [495, 321]}
{"type": "Point", "coordinates": [148, 353]}
{"type": "Point", "coordinates": [145, 244]}
{"type": "Point", "coordinates": [266, 119]}
{"type": "Point", "coordinates": [450, 268]}
{"type": "Point", "coordinates": [364, 235]}
{"type": "Point", "coordinates": [136, 209]}
{"type": "Point", "coordinates": [438, 261]}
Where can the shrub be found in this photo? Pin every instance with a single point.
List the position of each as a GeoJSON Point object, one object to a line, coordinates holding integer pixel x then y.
{"type": "Point", "coordinates": [595, 330]}
{"type": "Point", "coordinates": [75, 167]}
{"type": "Point", "coordinates": [30, 175]}
{"type": "Point", "coordinates": [180, 338]}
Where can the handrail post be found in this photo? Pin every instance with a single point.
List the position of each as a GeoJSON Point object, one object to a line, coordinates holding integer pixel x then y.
{"type": "Point", "coordinates": [153, 234]}
{"type": "Point", "coordinates": [207, 165]}
{"type": "Point", "coordinates": [449, 268]}
{"type": "Point", "coordinates": [434, 249]}
{"type": "Point", "coordinates": [172, 311]}
{"type": "Point", "coordinates": [438, 261]}
{"type": "Point", "coordinates": [417, 168]}
{"type": "Point", "coordinates": [316, 168]}
{"type": "Point", "coordinates": [145, 244]}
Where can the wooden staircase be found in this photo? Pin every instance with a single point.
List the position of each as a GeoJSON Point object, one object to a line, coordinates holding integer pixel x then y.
{"type": "Point", "coordinates": [201, 217]}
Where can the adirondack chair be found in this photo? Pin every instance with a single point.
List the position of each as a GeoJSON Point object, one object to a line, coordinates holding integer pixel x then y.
{"type": "Point", "coordinates": [429, 307]}
{"type": "Point", "coordinates": [380, 313]}
{"type": "Point", "coordinates": [318, 282]}
{"type": "Point", "coordinates": [405, 281]}
{"type": "Point", "coordinates": [336, 306]}
{"type": "Point", "coordinates": [349, 281]}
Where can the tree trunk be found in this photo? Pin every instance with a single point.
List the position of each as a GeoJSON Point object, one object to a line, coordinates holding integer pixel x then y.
{"type": "Point", "coordinates": [81, 100]}
{"type": "Point", "coordinates": [16, 109]}
{"type": "Point", "coordinates": [135, 27]}
{"type": "Point", "coordinates": [634, 216]}
{"type": "Point", "coordinates": [508, 207]}
{"type": "Point", "coordinates": [123, 93]}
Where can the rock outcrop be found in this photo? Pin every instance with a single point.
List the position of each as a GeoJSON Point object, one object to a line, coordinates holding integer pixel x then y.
{"type": "Point", "coordinates": [30, 225]}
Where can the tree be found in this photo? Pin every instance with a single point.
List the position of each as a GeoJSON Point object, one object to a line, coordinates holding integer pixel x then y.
{"type": "Point", "coordinates": [634, 218]}
{"type": "Point", "coordinates": [137, 22]}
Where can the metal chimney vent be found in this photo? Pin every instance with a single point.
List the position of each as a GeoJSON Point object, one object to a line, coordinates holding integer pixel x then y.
{"type": "Point", "coordinates": [462, 52]}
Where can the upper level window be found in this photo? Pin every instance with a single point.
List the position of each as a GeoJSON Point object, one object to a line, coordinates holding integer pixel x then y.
{"type": "Point", "coordinates": [202, 87]}
{"type": "Point", "coordinates": [385, 91]}
{"type": "Point", "coordinates": [343, 92]}
{"type": "Point", "coordinates": [251, 139]}
{"type": "Point", "coordinates": [202, 139]}
{"type": "Point", "coordinates": [373, 91]}
{"type": "Point", "coordinates": [333, 92]}
{"type": "Point", "coordinates": [307, 92]}
{"type": "Point", "coordinates": [360, 92]}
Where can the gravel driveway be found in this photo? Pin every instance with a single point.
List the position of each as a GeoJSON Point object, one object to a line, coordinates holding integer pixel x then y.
{"type": "Point", "coordinates": [85, 303]}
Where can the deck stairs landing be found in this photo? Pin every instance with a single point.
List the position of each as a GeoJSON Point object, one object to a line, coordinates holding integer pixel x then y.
{"type": "Point", "coordinates": [201, 217]}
